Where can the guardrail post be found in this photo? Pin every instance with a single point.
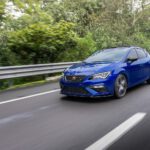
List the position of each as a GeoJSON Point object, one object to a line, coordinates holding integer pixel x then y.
{"type": "Point", "coordinates": [10, 82]}
{"type": "Point", "coordinates": [1, 83]}
{"type": "Point", "coordinates": [46, 76]}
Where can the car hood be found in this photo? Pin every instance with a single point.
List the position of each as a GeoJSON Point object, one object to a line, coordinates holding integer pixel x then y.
{"type": "Point", "coordinates": [90, 68]}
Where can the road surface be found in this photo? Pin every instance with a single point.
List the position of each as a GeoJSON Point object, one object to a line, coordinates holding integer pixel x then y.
{"type": "Point", "coordinates": [39, 118]}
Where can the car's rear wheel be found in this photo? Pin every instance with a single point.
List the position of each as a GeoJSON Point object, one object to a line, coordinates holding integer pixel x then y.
{"type": "Point", "coordinates": [148, 81]}
{"type": "Point", "coordinates": [120, 86]}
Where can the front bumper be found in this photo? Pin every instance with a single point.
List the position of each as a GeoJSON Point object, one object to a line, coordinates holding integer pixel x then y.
{"type": "Point", "coordinates": [89, 88]}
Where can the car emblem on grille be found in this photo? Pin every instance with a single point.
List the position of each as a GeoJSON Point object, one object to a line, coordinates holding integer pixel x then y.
{"type": "Point", "coordinates": [73, 77]}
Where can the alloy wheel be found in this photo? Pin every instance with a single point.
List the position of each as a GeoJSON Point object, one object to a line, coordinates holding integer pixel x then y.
{"type": "Point", "coordinates": [120, 86]}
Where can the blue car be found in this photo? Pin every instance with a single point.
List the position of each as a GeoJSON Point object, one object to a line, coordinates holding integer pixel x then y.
{"type": "Point", "coordinates": [107, 72]}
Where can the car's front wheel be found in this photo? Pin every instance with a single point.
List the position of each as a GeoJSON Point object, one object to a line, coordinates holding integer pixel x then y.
{"type": "Point", "coordinates": [120, 86]}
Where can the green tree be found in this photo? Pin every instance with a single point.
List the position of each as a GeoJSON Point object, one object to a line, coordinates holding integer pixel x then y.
{"type": "Point", "coordinates": [41, 43]}
{"type": "Point", "coordinates": [85, 46]}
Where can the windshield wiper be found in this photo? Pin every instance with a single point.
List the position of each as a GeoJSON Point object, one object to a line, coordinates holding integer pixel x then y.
{"type": "Point", "coordinates": [101, 61]}
{"type": "Point", "coordinates": [90, 62]}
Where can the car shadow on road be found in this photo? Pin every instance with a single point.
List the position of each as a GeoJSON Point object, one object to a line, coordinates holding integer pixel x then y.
{"type": "Point", "coordinates": [87, 99]}
{"type": "Point", "coordinates": [101, 99]}
{"type": "Point", "coordinates": [138, 87]}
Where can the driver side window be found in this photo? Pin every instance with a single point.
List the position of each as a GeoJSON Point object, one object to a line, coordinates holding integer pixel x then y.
{"type": "Point", "coordinates": [133, 54]}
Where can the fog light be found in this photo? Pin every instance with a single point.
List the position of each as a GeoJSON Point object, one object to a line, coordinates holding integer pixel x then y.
{"type": "Point", "coordinates": [99, 88]}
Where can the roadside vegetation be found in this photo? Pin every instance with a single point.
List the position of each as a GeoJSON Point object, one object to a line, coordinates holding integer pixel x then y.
{"type": "Point", "coordinates": [47, 31]}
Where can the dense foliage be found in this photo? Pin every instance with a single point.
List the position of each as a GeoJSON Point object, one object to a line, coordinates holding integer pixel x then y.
{"type": "Point", "coordinates": [68, 30]}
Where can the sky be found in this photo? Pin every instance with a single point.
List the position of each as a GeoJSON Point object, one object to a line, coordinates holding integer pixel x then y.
{"type": "Point", "coordinates": [11, 9]}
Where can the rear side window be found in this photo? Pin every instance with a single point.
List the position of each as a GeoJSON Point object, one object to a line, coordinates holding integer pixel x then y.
{"type": "Point", "coordinates": [147, 53]}
{"type": "Point", "coordinates": [141, 53]}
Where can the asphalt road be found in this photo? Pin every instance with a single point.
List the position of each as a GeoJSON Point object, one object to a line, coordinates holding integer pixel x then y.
{"type": "Point", "coordinates": [51, 121]}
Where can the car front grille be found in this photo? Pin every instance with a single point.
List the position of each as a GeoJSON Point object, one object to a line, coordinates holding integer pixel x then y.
{"type": "Point", "coordinates": [74, 90]}
{"type": "Point", "coordinates": [75, 78]}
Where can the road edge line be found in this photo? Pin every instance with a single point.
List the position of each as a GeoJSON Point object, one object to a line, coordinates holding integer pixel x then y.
{"type": "Point", "coordinates": [29, 96]}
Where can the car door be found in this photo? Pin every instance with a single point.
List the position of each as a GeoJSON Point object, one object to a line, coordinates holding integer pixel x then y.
{"type": "Point", "coordinates": [132, 68]}
{"type": "Point", "coordinates": [143, 61]}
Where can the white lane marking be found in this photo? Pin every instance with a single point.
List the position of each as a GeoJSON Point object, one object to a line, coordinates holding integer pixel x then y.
{"type": "Point", "coordinates": [117, 133]}
{"type": "Point", "coordinates": [25, 97]}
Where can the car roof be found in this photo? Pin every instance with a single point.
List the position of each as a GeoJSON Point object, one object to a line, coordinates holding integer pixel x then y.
{"type": "Point", "coordinates": [123, 47]}
{"type": "Point", "coordinates": [116, 48]}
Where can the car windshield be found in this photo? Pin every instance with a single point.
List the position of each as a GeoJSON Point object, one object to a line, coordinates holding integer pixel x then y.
{"type": "Point", "coordinates": [108, 55]}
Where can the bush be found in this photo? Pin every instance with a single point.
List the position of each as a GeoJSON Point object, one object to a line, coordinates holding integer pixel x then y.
{"type": "Point", "coordinates": [85, 46]}
{"type": "Point", "coordinates": [41, 43]}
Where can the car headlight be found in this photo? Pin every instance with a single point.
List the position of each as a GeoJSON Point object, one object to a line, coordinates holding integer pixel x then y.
{"type": "Point", "coordinates": [102, 75]}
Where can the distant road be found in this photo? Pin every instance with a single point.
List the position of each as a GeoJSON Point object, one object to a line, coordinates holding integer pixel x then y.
{"type": "Point", "coordinates": [39, 118]}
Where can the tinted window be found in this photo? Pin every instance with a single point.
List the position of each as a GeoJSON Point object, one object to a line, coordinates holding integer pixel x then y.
{"type": "Point", "coordinates": [108, 55]}
{"type": "Point", "coordinates": [141, 53]}
{"type": "Point", "coordinates": [133, 54]}
{"type": "Point", "coordinates": [147, 53]}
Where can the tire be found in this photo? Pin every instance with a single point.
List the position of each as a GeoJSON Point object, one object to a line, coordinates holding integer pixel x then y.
{"type": "Point", "coordinates": [148, 81]}
{"type": "Point", "coordinates": [120, 86]}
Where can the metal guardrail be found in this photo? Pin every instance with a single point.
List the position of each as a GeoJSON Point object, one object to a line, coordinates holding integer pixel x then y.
{"type": "Point", "coordinates": [32, 70]}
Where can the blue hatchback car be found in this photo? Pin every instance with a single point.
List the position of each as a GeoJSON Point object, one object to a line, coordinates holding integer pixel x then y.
{"type": "Point", "coordinates": [107, 72]}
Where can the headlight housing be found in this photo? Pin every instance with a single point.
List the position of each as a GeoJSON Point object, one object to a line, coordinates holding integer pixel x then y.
{"type": "Point", "coordinates": [102, 75]}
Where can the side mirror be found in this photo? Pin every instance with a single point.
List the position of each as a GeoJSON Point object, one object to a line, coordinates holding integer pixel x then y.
{"type": "Point", "coordinates": [132, 59]}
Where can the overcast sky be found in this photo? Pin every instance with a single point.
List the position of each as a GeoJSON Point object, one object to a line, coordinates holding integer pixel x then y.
{"type": "Point", "coordinates": [11, 9]}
